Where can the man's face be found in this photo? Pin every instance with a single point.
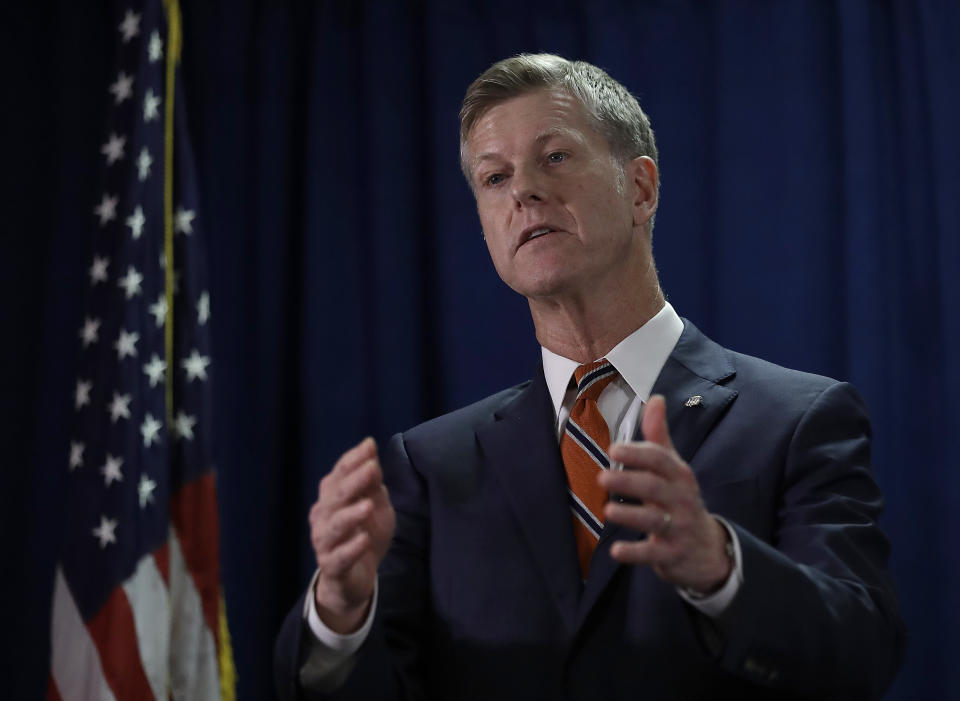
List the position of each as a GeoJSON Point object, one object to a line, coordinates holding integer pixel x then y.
{"type": "Point", "coordinates": [557, 212]}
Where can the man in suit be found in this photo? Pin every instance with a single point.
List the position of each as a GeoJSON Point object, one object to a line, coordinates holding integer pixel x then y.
{"type": "Point", "coordinates": [498, 552]}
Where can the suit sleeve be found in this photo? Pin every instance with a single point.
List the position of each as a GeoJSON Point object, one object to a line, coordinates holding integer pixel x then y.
{"type": "Point", "coordinates": [816, 612]}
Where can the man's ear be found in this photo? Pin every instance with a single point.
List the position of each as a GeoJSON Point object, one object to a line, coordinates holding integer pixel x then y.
{"type": "Point", "coordinates": [643, 177]}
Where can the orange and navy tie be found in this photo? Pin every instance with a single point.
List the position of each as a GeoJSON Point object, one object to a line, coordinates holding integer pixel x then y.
{"type": "Point", "coordinates": [584, 446]}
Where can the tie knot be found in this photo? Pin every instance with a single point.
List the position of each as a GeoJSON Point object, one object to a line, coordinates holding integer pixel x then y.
{"type": "Point", "coordinates": [593, 377]}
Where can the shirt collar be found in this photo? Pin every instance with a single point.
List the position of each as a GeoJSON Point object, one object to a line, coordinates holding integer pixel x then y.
{"type": "Point", "coordinates": [638, 358]}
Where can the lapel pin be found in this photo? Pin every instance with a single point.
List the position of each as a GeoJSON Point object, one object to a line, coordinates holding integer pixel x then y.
{"type": "Point", "coordinates": [695, 400]}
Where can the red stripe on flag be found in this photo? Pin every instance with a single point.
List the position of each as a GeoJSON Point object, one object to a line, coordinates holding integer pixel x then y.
{"type": "Point", "coordinates": [162, 557]}
{"type": "Point", "coordinates": [52, 693]}
{"type": "Point", "coordinates": [193, 511]}
{"type": "Point", "coordinates": [115, 636]}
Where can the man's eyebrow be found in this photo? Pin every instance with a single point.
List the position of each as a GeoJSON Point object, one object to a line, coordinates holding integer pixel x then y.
{"type": "Point", "coordinates": [487, 156]}
{"type": "Point", "coordinates": [555, 132]}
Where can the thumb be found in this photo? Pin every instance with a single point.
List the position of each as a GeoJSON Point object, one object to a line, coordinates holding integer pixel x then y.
{"type": "Point", "coordinates": [654, 422]}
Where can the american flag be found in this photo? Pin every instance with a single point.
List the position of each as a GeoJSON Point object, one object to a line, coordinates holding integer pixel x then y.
{"type": "Point", "coordinates": [137, 607]}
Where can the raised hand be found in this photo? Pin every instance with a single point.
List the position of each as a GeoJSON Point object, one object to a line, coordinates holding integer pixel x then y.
{"type": "Point", "coordinates": [351, 525]}
{"type": "Point", "coordinates": [685, 545]}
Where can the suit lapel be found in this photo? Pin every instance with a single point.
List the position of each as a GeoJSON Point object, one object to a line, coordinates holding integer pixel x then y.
{"type": "Point", "coordinates": [694, 369]}
{"type": "Point", "coordinates": [521, 449]}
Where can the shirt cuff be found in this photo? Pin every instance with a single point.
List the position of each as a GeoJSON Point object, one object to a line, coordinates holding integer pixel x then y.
{"type": "Point", "coordinates": [343, 645]}
{"type": "Point", "coordinates": [714, 604]}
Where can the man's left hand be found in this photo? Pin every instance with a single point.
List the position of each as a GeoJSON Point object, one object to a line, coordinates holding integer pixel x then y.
{"type": "Point", "coordinates": [685, 545]}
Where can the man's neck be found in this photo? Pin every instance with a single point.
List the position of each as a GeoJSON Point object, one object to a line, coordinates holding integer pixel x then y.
{"type": "Point", "coordinates": [585, 330]}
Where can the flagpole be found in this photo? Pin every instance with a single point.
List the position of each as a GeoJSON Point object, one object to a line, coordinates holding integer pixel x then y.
{"type": "Point", "coordinates": [173, 57]}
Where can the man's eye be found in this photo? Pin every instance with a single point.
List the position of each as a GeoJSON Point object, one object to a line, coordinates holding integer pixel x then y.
{"type": "Point", "coordinates": [557, 157]}
{"type": "Point", "coordinates": [494, 179]}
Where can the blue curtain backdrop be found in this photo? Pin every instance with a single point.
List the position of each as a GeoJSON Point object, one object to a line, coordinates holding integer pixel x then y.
{"type": "Point", "coordinates": [809, 215]}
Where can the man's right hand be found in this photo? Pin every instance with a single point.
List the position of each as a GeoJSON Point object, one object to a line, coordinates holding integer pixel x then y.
{"type": "Point", "coordinates": [351, 525]}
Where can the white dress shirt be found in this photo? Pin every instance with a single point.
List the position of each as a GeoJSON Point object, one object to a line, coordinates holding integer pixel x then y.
{"type": "Point", "coordinates": [638, 358]}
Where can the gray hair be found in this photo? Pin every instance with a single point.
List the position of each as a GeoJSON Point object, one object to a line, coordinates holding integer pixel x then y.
{"type": "Point", "coordinates": [615, 112]}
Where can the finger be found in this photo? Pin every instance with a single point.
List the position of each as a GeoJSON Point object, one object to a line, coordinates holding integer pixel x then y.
{"type": "Point", "coordinates": [645, 456]}
{"type": "Point", "coordinates": [654, 422]}
{"type": "Point", "coordinates": [380, 496]}
{"type": "Point", "coordinates": [344, 556]}
{"type": "Point", "coordinates": [645, 518]}
{"type": "Point", "coordinates": [326, 534]}
{"type": "Point", "coordinates": [641, 552]}
{"type": "Point", "coordinates": [639, 485]}
{"type": "Point", "coordinates": [356, 456]}
{"type": "Point", "coordinates": [338, 489]}
{"type": "Point", "coordinates": [365, 480]}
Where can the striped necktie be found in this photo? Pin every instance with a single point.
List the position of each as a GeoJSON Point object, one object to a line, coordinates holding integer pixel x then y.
{"type": "Point", "coordinates": [584, 446]}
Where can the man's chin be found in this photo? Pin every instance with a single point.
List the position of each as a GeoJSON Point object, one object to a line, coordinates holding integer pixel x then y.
{"type": "Point", "coordinates": [546, 288]}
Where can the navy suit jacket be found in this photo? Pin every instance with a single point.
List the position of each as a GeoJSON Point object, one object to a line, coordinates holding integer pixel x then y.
{"type": "Point", "coordinates": [481, 595]}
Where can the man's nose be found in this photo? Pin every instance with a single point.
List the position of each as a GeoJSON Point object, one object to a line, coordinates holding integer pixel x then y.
{"type": "Point", "coordinates": [527, 188]}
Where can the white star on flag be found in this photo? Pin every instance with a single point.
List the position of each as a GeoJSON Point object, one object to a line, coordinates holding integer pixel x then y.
{"type": "Point", "coordinates": [119, 407]}
{"type": "Point", "coordinates": [89, 332]}
{"type": "Point", "coordinates": [126, 344]}
{"type": "Point", "coordinates": [203, 309]}
{"type": "Point", "coordinates": [150, 430]}
{"type": "Point", "coordinates": [111, 470]}
{"type": "Point", "coordinates": [113, 149]}
{"type": "Point", "coordinates": [184, 220]}
{"type": "Point", "coordinates": [145, 490]}
{"type": "Point", "coordinates": [183, 426]}
{"type": "Point", "coordinates": [106, 531]}
{"type": "Point", "coordinates": [151, 104]}
{"type": "Point", "coordinates": [98, 270]}
{"type": "Point", "coordinates": [82, 395]}
{"type": "Point", "coordinates": [136, 221]}
{"type": "Point", "coordinates": [76, 455]}
{"type": "Point", "coordinates": [144, 161]}
{"type": "Point", "coordinates": [130, 26]}
{"type": "Point", "coordinates": [159, 310]}
{"type": "Point", "coordinates": [131, 282]}
{"type": "Point", "coordinates": [122, 89]}
{"type": "Point", "coordinates": [155, 47]}
{"type": "Point", "coordinates": [155, 370]}
{"type": "Point", "coordinates": [107, 209]}
{"type": "Point", "coordinates": [196, 365]}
